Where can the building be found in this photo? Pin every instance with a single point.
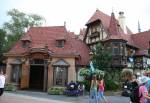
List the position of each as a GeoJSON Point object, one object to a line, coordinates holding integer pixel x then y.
{"type": "Point", "coordinates": [46, 57]}
{"type": "Point", "coordinates": [128, 49]}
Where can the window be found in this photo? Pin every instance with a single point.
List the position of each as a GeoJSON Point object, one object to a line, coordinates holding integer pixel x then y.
{"type": "Point", "coordinates": [15, 74]}
{"type": "Point", "coordinates": [60, 76]}
{"type": "Point", "coordinates": [115, 49]}
{"type": "Point", "coordinates": [60, 43]}
{"type": "Point", "coordinates": [25, 44]}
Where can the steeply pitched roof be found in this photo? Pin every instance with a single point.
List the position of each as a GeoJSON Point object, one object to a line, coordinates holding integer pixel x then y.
{"type": "Point", "coordinates": [41, 36]}
{"type": "Point", "coordinates": [98, 15]}
{"type": "Point", "coordinates": [105, 19]}
{"type": "Point", "coordinates": [114, 30]}
{"type": "Point", "coordinates": [142, 39]}
{"type": "Point", "coordinates": [111, 25]}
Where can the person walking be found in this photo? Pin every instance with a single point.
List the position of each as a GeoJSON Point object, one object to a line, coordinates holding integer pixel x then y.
{"type": "Point", "coordinates": [101, 87]}
{"type": "Point", "coordinates": [93, 90]}
{"type": "Point", "coordinates": [2, 82]}
{"type": "Point", "coordinates": [143, 93]}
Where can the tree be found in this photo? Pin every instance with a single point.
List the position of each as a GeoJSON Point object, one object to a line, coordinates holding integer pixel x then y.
{"type": "Point", "coordinates": [18, 24]}
{"type": "Point", "coordinates": [2, 42]}
{"type": "Point", "coordinates": [101, 57]}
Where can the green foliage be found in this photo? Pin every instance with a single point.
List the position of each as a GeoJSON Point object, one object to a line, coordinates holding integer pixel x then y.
{"type": "Point", "coordinates": [9, 42]}
{"type": "Point", "coordinates": [56, 90]}
{"type": "Point", "coordinates": [101, 57]}
{"type": "Point", "coordinates": [2, 41]}
{"type": "Point", "coordinates": [17, 25]}
{"type": "Point", "coordinates": [99, 73]}
{"type": "Point", "coordinates": [20, 21]}
{"type": "Point", "coordinates": [10, 87]}
{"type": "Point", "coordinates": [87, 84]}
{"type": "Point", "coordinates": [87, 74]}
{"type": "Point", "coordinates": [111, 85]}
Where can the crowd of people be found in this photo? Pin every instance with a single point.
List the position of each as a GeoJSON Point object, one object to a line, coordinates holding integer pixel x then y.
{"type": "Point", "coordinates": [142, 82]}
{"type": "Point", "coordinates": [144, 89]}
{"type": "Point", "coordinates": [97, 90]}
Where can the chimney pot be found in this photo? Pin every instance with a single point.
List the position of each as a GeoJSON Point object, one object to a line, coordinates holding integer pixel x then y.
{"type": "Point", "coordinates": [121, 13]}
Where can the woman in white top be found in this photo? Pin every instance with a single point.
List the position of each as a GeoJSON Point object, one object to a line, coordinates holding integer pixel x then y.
{"type": "Point", "coordinates": [2, 82]}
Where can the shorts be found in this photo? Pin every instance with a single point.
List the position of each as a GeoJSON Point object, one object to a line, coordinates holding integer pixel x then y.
{"type": "Point", "coordinates": [1, 91]}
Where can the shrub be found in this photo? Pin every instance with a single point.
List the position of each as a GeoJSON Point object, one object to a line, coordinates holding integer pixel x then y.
{"type": "Point", "coordinates": [56, 90]}
{"type": "Point", "coordinates": [87, 85]}
{"type": "Point", "coordinates": [10, 87]}
{"type": "Point", "coordinates": [111, 85]}
{"type": "Point", "coordinates": [87, 74]}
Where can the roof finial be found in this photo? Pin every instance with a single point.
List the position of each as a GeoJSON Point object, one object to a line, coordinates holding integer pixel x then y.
{"type": "Point", "coordinates": [139, 27]}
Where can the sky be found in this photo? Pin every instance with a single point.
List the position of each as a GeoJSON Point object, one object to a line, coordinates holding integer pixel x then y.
{"type": "Point", "coordinates": [77, 12]}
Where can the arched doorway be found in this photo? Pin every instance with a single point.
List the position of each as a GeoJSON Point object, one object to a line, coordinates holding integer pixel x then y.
{"type": "Point", "coordinates": [38, 74]}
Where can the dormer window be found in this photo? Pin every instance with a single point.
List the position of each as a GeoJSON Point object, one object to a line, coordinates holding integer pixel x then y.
{"type": "Point", "coordinates": [26, 41]}
{"type": "Point", "coordinates": [60, 43]}
{"type": "Point", "coordinates": [25, 44]}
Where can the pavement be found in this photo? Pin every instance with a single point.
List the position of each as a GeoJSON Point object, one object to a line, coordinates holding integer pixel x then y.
{"type": "Point", "coordinates": [42, 97]}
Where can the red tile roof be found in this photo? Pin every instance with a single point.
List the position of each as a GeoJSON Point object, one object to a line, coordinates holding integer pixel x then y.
{"type": "Point", "coordinates": [113, 27]}
{"type": "Point", "coordinates": [41, 36]}
{"type": "Point", "coordinates": [105, 19]}
{"type": "Point", "coordinates": [98, 15]}
{"type": "Point", "coordinates": [26, 38]}
{"type": "Point", "coordinates": [114, 30]}
{"type": "Point", "coordinates": [142, 39]}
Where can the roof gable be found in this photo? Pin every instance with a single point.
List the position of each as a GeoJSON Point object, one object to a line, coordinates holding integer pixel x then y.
{"type": "Point", "coordinates": [98, 15]}
{"type": "Point", "coordinates": [105, 19]}
{"type": "Point", "coordinates": [41, 36]}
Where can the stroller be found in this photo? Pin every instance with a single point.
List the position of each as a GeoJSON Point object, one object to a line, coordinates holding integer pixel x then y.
{"type": "Point", "coordinates": [73, 89]}
{"type": "Point", "coordinates": [126, 89]}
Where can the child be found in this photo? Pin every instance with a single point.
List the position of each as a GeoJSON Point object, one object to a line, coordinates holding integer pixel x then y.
{"type": "Point", "coordinates": [101, 90]}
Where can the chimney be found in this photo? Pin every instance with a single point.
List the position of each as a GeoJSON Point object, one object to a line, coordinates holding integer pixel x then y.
{"type": "Point", "coordinates": [122, 23]}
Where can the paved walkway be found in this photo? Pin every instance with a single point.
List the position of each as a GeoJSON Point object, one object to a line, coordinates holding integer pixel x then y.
{"type": "Point", "coordinates": [40, 97]}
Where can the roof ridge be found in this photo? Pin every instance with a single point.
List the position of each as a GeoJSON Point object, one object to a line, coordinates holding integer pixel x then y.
{"type": "Point", "coordinates": [141, 32]}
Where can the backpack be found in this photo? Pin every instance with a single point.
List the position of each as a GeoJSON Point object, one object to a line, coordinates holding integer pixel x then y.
{"type": "Point", "coordinates": [134, 96]}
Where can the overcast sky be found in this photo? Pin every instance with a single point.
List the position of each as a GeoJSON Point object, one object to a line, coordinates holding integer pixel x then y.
{"type": "Point", "coordinates": [77, 12]}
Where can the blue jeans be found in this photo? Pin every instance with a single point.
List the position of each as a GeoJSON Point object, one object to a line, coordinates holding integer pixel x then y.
{"type": "Point", "coordinates": [148, 100]}
{"type": "Point", "coordinates": [101, 96]}
{"type": "Point", "coordinates": [93, 94]}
